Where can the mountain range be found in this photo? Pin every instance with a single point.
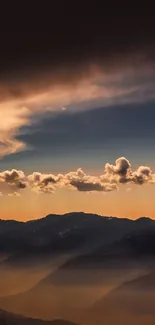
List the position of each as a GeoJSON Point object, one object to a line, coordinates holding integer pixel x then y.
{"type": "Point", "coordinates": [69, 233]}
{"type": "Point", "coordinates": [105, 264]}
{"type": "Point", "coordinates": [95, 265]}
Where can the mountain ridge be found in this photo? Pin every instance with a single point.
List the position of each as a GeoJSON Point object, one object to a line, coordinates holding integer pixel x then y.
{"type": "Point", "coordinates": [64, 234]}
{"type": "Point", "coordinates": [75, 213]}
{"type": "Point", "coordinates": [16, 319]}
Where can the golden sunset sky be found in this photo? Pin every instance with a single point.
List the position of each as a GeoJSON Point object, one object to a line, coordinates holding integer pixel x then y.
{"type": "Point", "coordinates": [77, 115]}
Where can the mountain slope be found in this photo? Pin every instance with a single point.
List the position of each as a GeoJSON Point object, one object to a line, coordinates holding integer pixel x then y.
{"type": "Point", "coordinates": [105, 252]}
{"type": "Point", "coordinates": [61, 233]}
{"type": "Point", "coordinates": [82, 280]}
{"type": "Point", "coordinates": [12, 319]}
{"type": "Point", "coordinates": [133, 251]}
{"type": "Point", "coordinates": [56, 234]}
{"type": "Point", "coordinates": [130, 303]}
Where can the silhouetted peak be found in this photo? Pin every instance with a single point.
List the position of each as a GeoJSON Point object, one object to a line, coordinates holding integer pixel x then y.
{"type": "Point", "coordinates": [144, 220]}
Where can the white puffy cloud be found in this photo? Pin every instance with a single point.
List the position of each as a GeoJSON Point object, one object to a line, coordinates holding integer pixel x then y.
{"type": "Point", "coordinates": [121, 172]}
{"type": "Point", "coordinates": [118, 173]}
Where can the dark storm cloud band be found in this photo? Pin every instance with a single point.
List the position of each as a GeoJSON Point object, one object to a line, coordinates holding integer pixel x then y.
{"type": "Point", "coordinates": [73, 34]}
{"type": "Point", "coordinates": [66, 39]}
{"type": "Point", "coordinates": [72, 58]}
{"type": "Point", "coordinates": [113, 175]}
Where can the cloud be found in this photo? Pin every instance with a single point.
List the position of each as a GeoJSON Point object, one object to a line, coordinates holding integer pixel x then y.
{"type": "Point", "coordinates": [52, 71]}
{"type": "Point", "coordinates": [113, 175]}
{"type": "Point", "coordinates": [129, 189]}
{"type": "Point", "coordinates": [42, 47]}
{"type": "Point", "coordinates": [45, 183]}
{"type": "Point", "coordinates": [87, 183]}
{"type": "Point", "coordinates": [121, 172]}
{"type": "Point", "coordinates": [18, 112]}
{"type": "Point", "coordinates": [17, 194]}
{"type": "Point", "coordinates": [25, 102]}
{"type": "Point", "coordinates": [14, 178]}
{"type": "Point", "coordinates": [143, 175]}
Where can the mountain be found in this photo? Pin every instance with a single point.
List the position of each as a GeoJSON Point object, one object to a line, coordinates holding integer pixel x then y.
{"type": "Point", "coordinates": [12, 319]}
{"type": "Point", "coordinates": [61, 234]}
{"type": "Point", "coordinates": [134, 250]}
{"type": "Point", "coordinates": [31, 250]}
{"type": "Point", "coordinates": [84, 278]}
{"type": "Point", "coordinates": [56, 234]}
{"type": "Point", "coordinates": [132, 303]}
{"type": "Point", "coordinates": [103, 253]}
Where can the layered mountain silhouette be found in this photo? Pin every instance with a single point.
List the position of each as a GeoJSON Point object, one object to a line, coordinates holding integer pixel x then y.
{"type": "Point", "coordinates": [134, 250]}
{"type": "Point", "coordinates": [105, 252]}
{"type": "Point", "coordinates": [109, 267]}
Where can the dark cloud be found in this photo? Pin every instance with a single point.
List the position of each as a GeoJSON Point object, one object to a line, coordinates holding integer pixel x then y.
{"type": "Point", "coordinates": [90, 186]}
{"type": "Point", "coordinates": [87, 183]}
{"type": "Point", "coordinates": [75, 56]}
{"type": "Point", "coordinates": [44, 35]}
{"type": "Point", "coordinates": [14, 178]}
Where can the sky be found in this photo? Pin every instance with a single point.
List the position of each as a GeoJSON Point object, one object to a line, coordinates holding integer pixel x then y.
{"type": "Point", "coordinates": [77, 111]}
